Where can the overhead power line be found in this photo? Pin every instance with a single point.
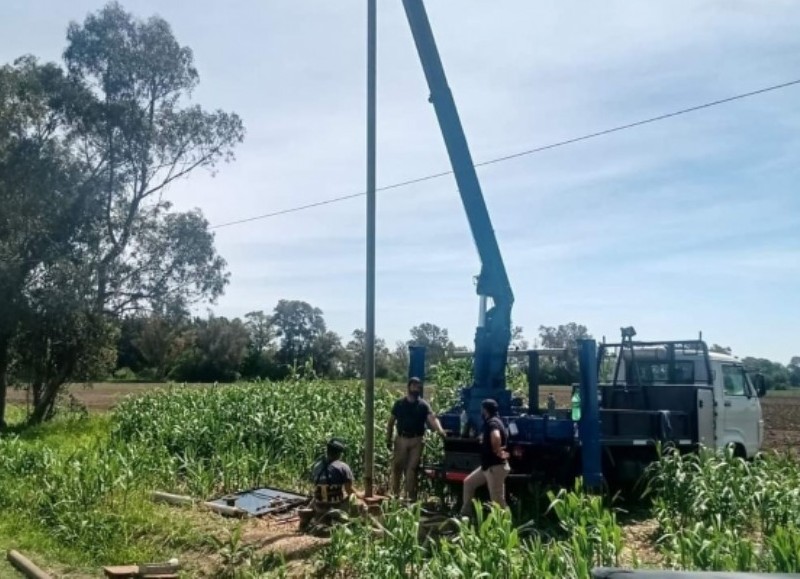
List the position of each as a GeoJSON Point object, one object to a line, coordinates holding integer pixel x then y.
{"type": "Point", "coordinates": [515, 155]}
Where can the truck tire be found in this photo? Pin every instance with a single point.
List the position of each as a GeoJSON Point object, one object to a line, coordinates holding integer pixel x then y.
{"type": "Point", "coordinates": [738, 450]}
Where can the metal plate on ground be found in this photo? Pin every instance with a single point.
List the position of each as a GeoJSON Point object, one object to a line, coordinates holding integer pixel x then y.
{"type": "Point", "coordinates": [262, 501]}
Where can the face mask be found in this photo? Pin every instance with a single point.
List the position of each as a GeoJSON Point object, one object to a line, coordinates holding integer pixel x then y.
{"type": "Point", "coordinates": [414, 394]}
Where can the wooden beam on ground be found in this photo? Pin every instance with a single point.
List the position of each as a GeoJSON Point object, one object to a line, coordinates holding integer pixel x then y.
{"type": "Point", "coordinates": [183, 500]}
{"type": "Point", "coordinates": [225, 510]}
{"type": "Point", "coordinates": [167, 570]}
{"type": "Point", "coordinates": [26, 566]}
{"type": "Point", "coordinates": [136, 572]}
{"type": "Point", "coordinates": [160, 497]}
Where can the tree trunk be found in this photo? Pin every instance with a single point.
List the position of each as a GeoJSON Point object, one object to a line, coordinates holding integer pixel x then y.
{"type": "Point", "coordinates": [3, 383]}
{"type": "Point", "coordinates": [36, 390]}
{"type": "Point", "coordinates": [42, 411]}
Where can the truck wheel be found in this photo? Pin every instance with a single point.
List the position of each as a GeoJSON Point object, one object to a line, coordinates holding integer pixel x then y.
{"type": "Point", "coordinates": [738, 450]}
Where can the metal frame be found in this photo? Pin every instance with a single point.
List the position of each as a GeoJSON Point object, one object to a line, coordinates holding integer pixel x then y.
{"type": "Point", "coordinates": [296, 500]}
{"type": "Point", "coordinates": [589, 423]}
{"type": "Point", "coordinates": [416, 365]}
{"type": "Point", "coordinates": [533, 382]}
{"type": "Point", "coordinates": [671, 345]}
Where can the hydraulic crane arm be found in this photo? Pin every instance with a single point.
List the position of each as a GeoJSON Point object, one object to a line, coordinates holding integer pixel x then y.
{"type": "Point", "coordinates": [493, 334]}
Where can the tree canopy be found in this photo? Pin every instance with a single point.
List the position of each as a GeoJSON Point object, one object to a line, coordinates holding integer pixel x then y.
{"type": "Point", "coordinates": [87, 151]}
{"type": "Point", "coordinates": [98, 271]}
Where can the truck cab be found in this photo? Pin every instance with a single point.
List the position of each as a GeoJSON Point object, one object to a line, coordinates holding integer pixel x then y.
{"type": "Point", "coordinates": [728, 411]}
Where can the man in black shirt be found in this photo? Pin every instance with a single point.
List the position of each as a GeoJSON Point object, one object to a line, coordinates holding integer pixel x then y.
{"type": "Point", "coordinates": [494, 467]}
{"type": "Point", "coordinates": [410, 413]}
{"type": "Point", "coordinates": [333, 482]}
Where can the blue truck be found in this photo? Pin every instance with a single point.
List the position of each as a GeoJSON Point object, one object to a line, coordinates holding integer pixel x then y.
{"type": "Point", "coordinates": [674, 392]}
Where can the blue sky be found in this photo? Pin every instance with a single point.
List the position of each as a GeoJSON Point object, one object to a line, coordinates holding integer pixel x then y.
{"type": "Point", "coordinates": [686, 225]}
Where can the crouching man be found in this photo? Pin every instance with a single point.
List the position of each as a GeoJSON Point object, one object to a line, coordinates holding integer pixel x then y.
{"type": "Point", "coordinates": [333, 487]}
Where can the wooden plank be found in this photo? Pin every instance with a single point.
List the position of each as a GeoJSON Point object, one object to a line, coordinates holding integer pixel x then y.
{"type": "Point", "coordinates": [121, 571]}
{"type": "Point", "coordinates": [161, 497]}
{"type": "Point", "coordinates": [136, 572]}
{"type": "Point", "coordinates": [226, 511]}
{"type": "Point", "coordinates": [149, 570]}
{"type": "Point", "coordinates": [159, 569]}
{"type": "Point", "coordinates": [26, 566]}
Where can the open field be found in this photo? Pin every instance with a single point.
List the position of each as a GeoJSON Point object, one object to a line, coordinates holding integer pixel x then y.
{"type": "Point", "coordinates": [99, 396]}
{"type": "Point", "coordinates": [74, 495]}
{"type": "Point", "coordinates": [782, 421]}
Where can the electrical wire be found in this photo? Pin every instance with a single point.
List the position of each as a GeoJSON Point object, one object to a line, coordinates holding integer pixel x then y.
{"type": "Point", "coordinates": [514, 155]}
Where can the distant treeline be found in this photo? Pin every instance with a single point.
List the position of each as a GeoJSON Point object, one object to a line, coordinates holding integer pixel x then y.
{"type": "Point", "coordinates": [294, 338]}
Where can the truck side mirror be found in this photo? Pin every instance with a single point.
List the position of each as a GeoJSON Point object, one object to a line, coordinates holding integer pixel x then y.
{"type": "Point", "coordinates": [760, 384]}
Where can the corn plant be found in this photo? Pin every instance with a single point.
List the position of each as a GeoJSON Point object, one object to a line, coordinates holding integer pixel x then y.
{"type": "Point", "coordinates": [709, 547]}
{"type": "Point", "coordinates": [701, 487]}
{"type": "Point", "coordinates": [236, 437]}
{"type": "Point", "coordinates": [492, 546]}
{"type": "Point", "coordinates": [783, 550]}
{"type": "Point", "coordinates": [720, 512]}
{"type": "Point", "coordinates": [776, 492]}
{"type": "Point", "coordinates": [593, 531]}
{"type": "Point", "coordinates": [233, 552]}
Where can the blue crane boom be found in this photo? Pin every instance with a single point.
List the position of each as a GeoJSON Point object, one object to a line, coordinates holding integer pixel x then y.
{"type": "Point", "coordinates": [493, 335]}
{"type": "Point", "coordinates": [620, 427]}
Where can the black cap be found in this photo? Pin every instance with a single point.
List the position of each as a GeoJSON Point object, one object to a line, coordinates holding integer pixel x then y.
{"type": "Point", "coordinates": [414, 380]}
{"type": "Point", "coordinates": [490, 405]}
{"type": "Point", "coordinates": [336, 445]}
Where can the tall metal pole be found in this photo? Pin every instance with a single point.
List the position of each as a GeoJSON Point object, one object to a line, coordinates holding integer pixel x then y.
{"type": "Point", "coordinates": [369, 370]}
{"type": "Point", "coordinates": [591, 451]}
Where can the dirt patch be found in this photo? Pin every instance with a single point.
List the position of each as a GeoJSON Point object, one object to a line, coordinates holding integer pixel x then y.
{"type": "Point", "coordinates": [248, 542]}
{"type": "Point", "coordinates": [101, 396]}
{"type": "Point", "coordinates": [781, 422]}
{"type": "Point", "coordinates": [281, 537]}
{"type": "Point", "coordinates": [639, 538]}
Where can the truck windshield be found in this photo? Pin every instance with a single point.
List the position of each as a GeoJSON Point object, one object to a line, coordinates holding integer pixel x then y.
{"type": "Point", "coordinates": [734, 380]}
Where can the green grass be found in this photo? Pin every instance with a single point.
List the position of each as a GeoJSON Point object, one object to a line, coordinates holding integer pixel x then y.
{"type": "Point", "coordinates": [69, 496]}
{"type": "Point", "coordinates": [15, 414]}
{"type": "Point", "coordinates": [74, 492]}
{"type": "Point", "coordinates": [81, 483]}
{"type": "Point", "coordinates": [164, 534]}
{"type": "Point", "coordinates": [20, 533]}
{"type": "Point", "coordinates": [791, 392]}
